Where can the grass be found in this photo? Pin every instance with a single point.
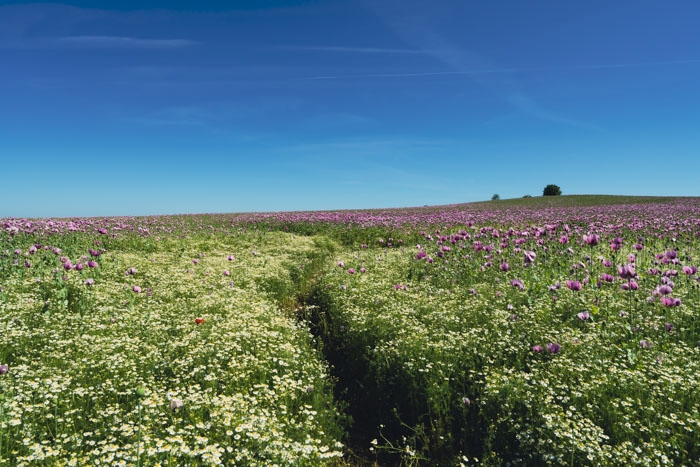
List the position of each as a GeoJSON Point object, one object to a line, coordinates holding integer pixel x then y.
{"type": "Point", "coordinates": [539, 202]}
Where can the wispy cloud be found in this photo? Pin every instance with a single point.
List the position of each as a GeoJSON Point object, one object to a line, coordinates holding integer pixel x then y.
{"type": "Point", "coordinates": [528, 106]}
{"type": "Point", "coordinates": [419, 74]}
{"type": "Point", "coordinates": [362, 50]}
{"type": "Point", "coordinates": [173, 116]}
{"type": "Point", "coordinates": [53, 25]}
{"type": "Point", "coordinates": [389, 75]}
{"type": "Point", "coordinates": [368, 147]}
{"type": "Point", "coordinates": [413, 26]}
{"type": "Point", "coordinates": [121, 42]}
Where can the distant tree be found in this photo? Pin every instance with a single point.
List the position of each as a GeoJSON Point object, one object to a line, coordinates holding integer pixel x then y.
{"type": "Point", "coordinates": [527, 196]}
{"type": "Point", "coordinates": [495, 197]}
{"type": "Point", "coordinates": [551, 190]}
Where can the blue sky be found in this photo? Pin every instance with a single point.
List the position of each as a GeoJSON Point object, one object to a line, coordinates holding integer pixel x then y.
{"type": "Point", "coordinates": [137, 108]}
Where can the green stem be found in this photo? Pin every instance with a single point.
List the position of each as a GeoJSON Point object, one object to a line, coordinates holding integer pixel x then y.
{"type": "Point", "coordinates": [138, 443]}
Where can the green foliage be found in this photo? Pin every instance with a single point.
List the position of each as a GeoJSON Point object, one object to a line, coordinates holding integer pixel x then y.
{"type": "Point", "coordinates": [551, 190]}
{"type": "Point", "coordinates": [495, 197]}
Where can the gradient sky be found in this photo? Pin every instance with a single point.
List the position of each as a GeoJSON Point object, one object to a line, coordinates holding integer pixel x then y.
{"type": "Point", "coordinates": [154, 107]}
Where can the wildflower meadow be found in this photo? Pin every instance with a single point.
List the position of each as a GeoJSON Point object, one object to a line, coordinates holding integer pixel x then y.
{"type": "Point", "coordinates": [523, 332]}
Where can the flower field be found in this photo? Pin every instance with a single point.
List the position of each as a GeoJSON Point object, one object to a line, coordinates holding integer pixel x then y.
{"type": "Point", "coordinates": [484, 334]}
{"type": "Point", "coordinates": [164, 353]}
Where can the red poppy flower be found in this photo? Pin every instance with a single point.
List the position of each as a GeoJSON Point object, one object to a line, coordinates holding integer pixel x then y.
{"type": "Point", "coordinates": [198, 320]}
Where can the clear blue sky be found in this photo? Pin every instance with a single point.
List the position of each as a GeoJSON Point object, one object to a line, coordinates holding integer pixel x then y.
{"type": "Point", "coordinates": [134, 108]}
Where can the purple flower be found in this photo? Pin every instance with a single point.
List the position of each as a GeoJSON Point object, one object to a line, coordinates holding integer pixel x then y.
{"type": "Point", "coordinates": [227, 273]}
{"type": "Point", "coordinates": [504, 267]}
{"type": "Point", "coordinates": [688, 271]}
{"type": "Point", "coordinates": [645, 344]}
{"type": "Point", "coordinates": [341, 264]}
{"type": "Point", "coordinates": [537, 348]}
{"type": "Point", "coordinates": [466, 401]}
{"type": "Point", "coordinates": [136, 289]}
{"type": "Point", "coordinates": [669, 327]}
{"type": "Point", "coordinates": [195, 261]}
{"type": "Point", "coordinates": [530, 257]}
{"type": "Point", "coordinates": [670, 301]}
{"type": "Point", "coordinates": [92, 264]}
{"type": "Point", "coordinates": [584, 316]}
{"type": "Point", "coordinates": [591, 240]}
{"type": "Point", "coordinates": [351, 271]}
{"type": "Point", "coordinates": [626, 271]}
{"type": "Point", "coordinates": [665, 289]}
{"type": "Point", "coordinates": [607, 277]}
{"type": "Point", "coordinates": [343, 287]}
{"type": "Point", "coordinates": [230, 257]}
{"type": "Point", "coordinates": [131, 271]}
{"type": "Point", "coordinates": [363, 270]}
{"type": "Point", "coordinates": [553, 347]}
{"type": "Point", "coordinates": [4, 369]}
{"type": "Point", "coordinates": [90, 281]}
{"type": "Point", "coordinates": [518, 283]}
{"type": "Point", "coordinates": [574, 285]}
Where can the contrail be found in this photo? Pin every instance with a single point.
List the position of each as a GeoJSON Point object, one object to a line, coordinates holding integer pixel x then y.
{"type": "Point", "coordinates": [509, 70]}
